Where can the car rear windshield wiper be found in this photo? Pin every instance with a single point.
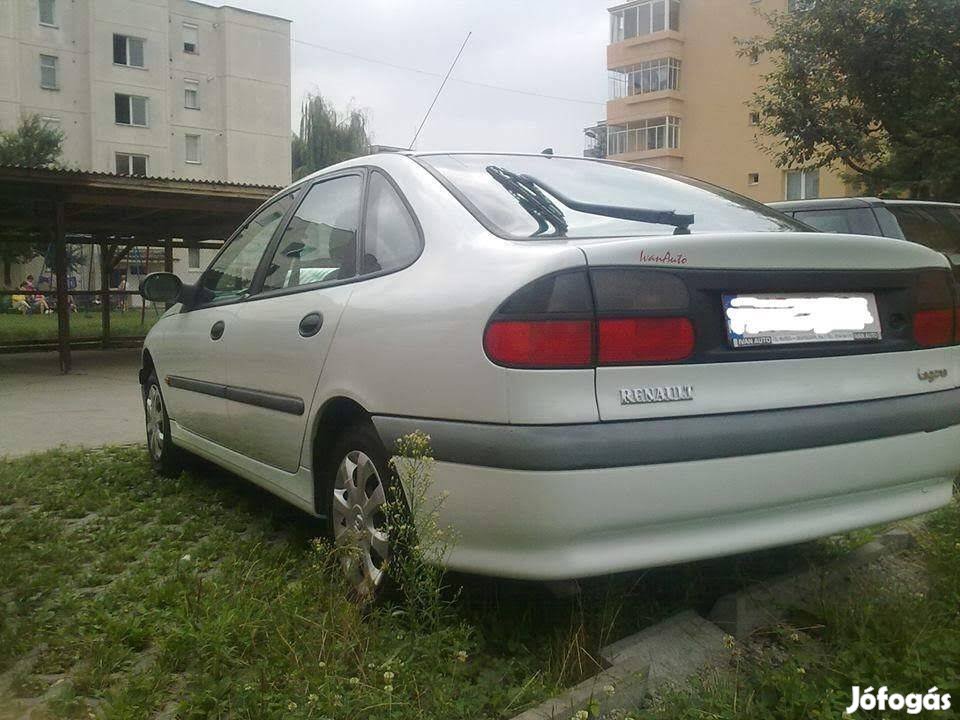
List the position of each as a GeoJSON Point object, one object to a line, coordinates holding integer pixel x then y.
{"type": "Point", "coordinates": [535, 186]}
{"type": "Point", "coordinates": [526, 192]}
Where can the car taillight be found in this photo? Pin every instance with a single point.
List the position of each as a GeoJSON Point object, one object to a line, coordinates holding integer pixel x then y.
{"type": "Point", "coordinates": [935, 319]}
{"type": "Point", "coordinates": [614, 316]}
{"type": "Point", "coordinates": [933, 327]}
{"type": "Point", "coordinates": [540, 343]}
{"type": "Point", "coordinates": [631, 340]}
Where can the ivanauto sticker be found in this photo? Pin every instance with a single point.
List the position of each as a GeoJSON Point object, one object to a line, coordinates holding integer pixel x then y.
{"type": "Point", "coordinates": [664, 258]}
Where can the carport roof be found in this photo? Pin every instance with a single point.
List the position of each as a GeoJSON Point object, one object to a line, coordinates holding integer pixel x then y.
{"type": "Point", "coordinates": [114, 206]}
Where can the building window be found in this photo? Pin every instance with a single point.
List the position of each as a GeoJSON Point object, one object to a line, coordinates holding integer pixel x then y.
{"type": "Point", "coordinates": [753, 179]}
{"type": "Point", "coordinates": [48, 72]}
{"type": "Point", "coordinates": [128, 164]}
{"type": "Point", "coordinates": [192, 149]}
{"type": "Point", "coordinates": [803, 184]}
{"type": "Point", "coordinates": [193, 258]}
{"type": "Point", "coordinates": [130, 109]}
{"type": "Point", "coordinates": [651, 134]}
{"type": "Point", "coordinates": [754, 118]}
{"type": "Point", "coordinates": [48, 12]}
{"type": "Point", "coordinates": [191, 94]}
{"type": "Point", "coordinates": [646, 77]}
{"type": "Point", "coordinates": [643, 18]}
{"type": "Point", "coordinates": [191, 38]}
{"type": "Point", "coordinates": [128, 51]}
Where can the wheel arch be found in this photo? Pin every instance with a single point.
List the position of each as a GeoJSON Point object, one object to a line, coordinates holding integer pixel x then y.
{"type": "Point", "coordinates": [146, 366]}
{"type": "Point", "coordinates": [335, 415]}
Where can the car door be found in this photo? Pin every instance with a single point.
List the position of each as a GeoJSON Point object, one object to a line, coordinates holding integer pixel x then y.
{"type": "Point", "coordinates": [193, 359]}
{"type": "Point", "coordinates": [280, 336]}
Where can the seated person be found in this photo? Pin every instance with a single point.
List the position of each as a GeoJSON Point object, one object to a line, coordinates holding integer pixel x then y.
{"type": "Point", "coordinates": [20, 302]}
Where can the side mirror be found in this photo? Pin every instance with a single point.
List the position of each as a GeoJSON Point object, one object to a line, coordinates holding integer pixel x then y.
{"type": "Point", "coordinates": [162, 287]}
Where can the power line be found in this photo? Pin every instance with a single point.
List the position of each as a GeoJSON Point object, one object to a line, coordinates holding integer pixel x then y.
{"type": "Point", "coordinates": [419, 71]}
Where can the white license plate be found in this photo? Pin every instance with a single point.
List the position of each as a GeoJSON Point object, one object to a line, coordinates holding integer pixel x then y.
{"type": "Point", "coordinates": [770, 319]}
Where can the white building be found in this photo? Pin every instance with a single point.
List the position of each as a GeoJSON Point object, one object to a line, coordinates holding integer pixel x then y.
{"type": "Point", "coordinates": [166, 88]}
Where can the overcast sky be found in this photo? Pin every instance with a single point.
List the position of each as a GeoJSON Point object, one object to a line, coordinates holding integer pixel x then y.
{"type": "Point", "coordinates": [544, 47]}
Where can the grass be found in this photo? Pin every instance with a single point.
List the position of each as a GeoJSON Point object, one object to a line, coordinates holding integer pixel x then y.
{"type": "Point", "coordinates": [127, 595]}
{"type": "Point", "coordinates": [84, 324]}
{"type": "Point", "coordinates": [899, 626]}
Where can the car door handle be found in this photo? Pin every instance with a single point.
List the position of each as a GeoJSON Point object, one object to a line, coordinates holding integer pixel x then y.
{"type": "Point", "coordinates": [216, 332]}
{"type": "Point", "coordinates": [310, 324]}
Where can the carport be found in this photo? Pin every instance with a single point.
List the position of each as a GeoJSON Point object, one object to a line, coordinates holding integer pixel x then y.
{"type": "Point", "coordinates": [119, 215]}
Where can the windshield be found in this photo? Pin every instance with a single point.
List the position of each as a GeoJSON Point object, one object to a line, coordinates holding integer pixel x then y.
{"type": "Point", "coordinates": [589, 181]}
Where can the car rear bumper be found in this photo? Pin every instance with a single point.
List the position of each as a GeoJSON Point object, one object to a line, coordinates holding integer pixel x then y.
{"type": "Point", "coordinates": [552, 523]}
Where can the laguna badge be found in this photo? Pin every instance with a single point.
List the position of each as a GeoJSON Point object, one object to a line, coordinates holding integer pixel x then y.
{"type": "Point", "coordinates": [665, 393]}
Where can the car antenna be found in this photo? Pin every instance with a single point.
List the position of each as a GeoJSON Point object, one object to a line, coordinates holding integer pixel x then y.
{"type": "Point", "coordinates": [439, 90]}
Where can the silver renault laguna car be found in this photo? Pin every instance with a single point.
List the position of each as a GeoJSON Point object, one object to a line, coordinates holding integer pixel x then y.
{"type": "Point", "coordinates": [618, 367]}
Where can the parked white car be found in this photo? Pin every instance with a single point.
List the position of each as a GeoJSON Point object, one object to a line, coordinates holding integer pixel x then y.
{"type": "Point", "coordinates": [618, 367]}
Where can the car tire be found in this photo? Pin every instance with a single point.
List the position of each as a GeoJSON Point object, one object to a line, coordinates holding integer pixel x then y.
{"type": "Point", "coordinates": [166, 458]}
{"type": "Point", "coordinates": [356, 483]}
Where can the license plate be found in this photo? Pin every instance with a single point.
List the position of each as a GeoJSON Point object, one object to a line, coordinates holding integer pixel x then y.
{"type": "Point", "coordinates": [770, 319]}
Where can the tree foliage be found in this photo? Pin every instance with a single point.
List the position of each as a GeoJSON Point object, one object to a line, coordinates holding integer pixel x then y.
{"type": "Point", "coordinates": [31, 144]}
{"type": "Point", "coordinates": [327, 137]}
{"type": "Point", "coordinates": [872, 85]}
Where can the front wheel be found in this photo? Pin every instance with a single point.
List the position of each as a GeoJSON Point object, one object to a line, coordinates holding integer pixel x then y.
{"type": "Point", "coordinates": [357, 482]}
{"type": "Point", "coordinates": [165, 457]}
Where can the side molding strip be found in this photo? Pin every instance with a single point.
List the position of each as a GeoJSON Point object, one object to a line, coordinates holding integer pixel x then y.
{"type": "Point", "coordinates": [248, 396]}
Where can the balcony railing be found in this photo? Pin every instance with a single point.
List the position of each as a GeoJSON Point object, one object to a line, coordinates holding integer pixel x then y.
{"type": "Point", "coordinates": [652, 134]}
{"type": "Point", "coordinates": [647, 77]}
{"type": "Point", "coordinates": [643, 18]}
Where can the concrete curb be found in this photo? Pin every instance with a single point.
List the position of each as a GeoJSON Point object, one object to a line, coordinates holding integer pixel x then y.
{"type": "Point", "coordinates": [676, 649]}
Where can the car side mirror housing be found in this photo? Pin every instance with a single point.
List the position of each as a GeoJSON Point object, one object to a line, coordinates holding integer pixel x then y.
{"type": "Point", "coordinates": [161, 287]}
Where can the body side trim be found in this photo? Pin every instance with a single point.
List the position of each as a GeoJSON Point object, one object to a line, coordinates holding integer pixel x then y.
{"type": "Point", "coordinates": [248, 396]}
{"type": "Point", "coordinates": [670, 440]}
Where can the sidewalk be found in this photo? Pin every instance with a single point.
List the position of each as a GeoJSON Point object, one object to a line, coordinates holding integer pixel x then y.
{"type": "Point", "coordinates": [98, 403]}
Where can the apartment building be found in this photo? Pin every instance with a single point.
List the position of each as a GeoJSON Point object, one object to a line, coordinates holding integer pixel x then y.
{"type": "Point", "coordinates": [679, 96]}
{"type": "Point", "coordinates": [166, 88]}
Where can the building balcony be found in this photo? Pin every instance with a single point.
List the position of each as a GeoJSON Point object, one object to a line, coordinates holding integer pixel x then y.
{"type": "Point", "coordinates": [667, 43]}
{"type": "Point", "coordinates": [636, 107]}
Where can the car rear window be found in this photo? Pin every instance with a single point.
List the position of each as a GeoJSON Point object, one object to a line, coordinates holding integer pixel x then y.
{"type": "Point", "coordinates": [936, 226]}
{"type": "Point", "coordinates": [590, 181]}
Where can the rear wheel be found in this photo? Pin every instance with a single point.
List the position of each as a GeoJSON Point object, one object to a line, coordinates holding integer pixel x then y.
{"type": "Point", "coordinates": [357, 490]}
{"type": "Point", "coordinates": [166, 458]}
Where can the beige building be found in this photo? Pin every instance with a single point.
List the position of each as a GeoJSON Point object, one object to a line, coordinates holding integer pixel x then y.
{"type": "Point", "coordinates": [679, 96]}
{"type": "Point", "coordinates": [168, 88]}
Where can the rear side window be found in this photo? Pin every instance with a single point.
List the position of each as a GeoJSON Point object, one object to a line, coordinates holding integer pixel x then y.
{"type": "Point", "coordinates": [936, 226]}
{"type": "Point", "coordinates": [319, 243]}
{"type": "Point", "coordinates": [391, 239]}
{"type": "Point", "coordinates": [853, 221]}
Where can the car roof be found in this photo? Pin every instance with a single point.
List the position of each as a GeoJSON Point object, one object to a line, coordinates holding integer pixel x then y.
{"type": "Point", "coordinates": [845, 203]}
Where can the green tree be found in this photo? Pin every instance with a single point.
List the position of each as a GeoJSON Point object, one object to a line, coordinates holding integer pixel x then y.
{"type": "Point", "coordinates": [327, 137]}
{"type": "Point", "coordinates": [31, 144]}
{"type": "Point", "coordinates": [870, 85]}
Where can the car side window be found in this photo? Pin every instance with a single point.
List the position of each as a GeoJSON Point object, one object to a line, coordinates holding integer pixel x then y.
{"type": "Point", "coordinates": [390, 236]}
{"type": "Point", "coordinates": [856, 221]}
{"type": "Point", "coordinates": [319, 243]}
{"type": "Point", "coordinates": [231, 274]}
